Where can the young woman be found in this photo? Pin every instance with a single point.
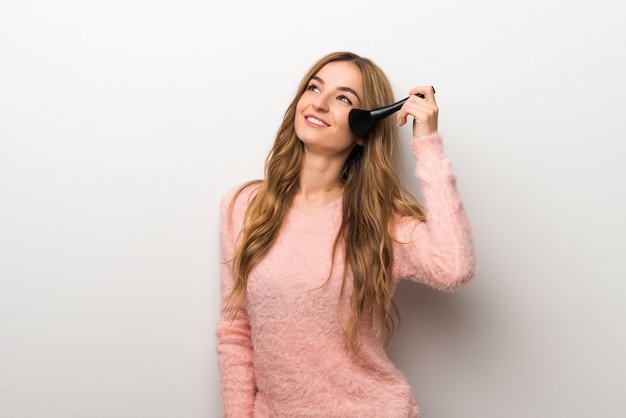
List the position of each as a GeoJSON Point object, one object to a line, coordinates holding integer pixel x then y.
{"type": "Point", "coordinates": [312, 253]}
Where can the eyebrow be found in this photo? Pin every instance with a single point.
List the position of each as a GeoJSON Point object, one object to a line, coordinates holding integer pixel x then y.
{"type": "Point", "coordinates": [340, 88]}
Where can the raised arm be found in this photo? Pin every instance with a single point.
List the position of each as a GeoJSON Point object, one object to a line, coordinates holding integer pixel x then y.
{"type": "Point", "coordinates": [440, 251]}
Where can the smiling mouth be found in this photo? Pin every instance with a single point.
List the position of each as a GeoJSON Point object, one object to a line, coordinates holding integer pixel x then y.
{"type": "Point", "coordinates": [316, 121]}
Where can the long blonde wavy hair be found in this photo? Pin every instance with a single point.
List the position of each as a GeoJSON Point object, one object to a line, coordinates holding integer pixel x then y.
{"type": "Point", "coordinates": [372, 197]}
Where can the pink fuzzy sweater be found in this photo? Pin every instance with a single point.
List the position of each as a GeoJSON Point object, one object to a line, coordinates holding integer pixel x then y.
{"type": "Point", "coordinates": [285, 354]}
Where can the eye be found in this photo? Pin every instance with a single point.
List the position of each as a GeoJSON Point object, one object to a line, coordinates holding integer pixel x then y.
{"type": "Point", "coordinates": [345, 99]}
{"type": "Point", "coordinates": [313, 87]}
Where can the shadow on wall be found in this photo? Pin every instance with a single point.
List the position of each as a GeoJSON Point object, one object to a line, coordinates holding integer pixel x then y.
{"type": "Point", "coordinates": [446, 337]}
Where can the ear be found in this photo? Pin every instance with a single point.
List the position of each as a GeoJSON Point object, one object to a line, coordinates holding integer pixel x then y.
{"type": "Point", "coordinates": [358, 140]}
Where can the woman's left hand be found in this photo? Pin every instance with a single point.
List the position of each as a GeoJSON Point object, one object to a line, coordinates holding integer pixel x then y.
{"type": "Point", "coordinates": [424, 111]}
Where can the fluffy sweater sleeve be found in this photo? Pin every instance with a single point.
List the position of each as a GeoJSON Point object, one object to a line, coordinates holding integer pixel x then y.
{"type": "Point", "coordinates": [234, 345]}
{"type": "Point", "coordinates": [440, 251]}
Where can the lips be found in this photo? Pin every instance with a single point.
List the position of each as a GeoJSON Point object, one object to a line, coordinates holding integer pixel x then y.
{"type": "Point", "coordinates": [315, 121]}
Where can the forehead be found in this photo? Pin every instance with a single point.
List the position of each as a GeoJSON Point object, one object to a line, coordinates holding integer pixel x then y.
{"type": "Point", "coordinates": [342, 74]}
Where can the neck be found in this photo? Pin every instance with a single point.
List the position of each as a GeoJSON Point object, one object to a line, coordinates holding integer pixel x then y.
{"type": "Point", "coordinates": [319, 183]}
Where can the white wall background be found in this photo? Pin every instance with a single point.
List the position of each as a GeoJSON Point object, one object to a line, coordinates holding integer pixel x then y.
{"type": "Point", "coordinates": [122, 123]}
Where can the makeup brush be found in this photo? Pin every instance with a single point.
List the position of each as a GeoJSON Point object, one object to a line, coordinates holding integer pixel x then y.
{"type": "Point", "coordinates": [362, 121]}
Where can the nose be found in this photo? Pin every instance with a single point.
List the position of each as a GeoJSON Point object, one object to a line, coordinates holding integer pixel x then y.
{"type": "Point", "coordinates": [320, 103]}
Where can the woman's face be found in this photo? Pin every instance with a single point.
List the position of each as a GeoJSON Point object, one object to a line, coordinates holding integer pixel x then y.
{"type": "Point", "coordinates": [321, 120]}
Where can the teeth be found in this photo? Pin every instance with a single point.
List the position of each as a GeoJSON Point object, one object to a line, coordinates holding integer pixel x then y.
{"type": "Point", "coordinates": [315, 121]}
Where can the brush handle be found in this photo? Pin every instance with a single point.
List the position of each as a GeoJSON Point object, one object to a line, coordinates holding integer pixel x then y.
{"type": "Point", "coordinates": [382, 112]}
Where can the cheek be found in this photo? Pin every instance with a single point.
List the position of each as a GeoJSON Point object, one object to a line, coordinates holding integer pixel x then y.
{"type": "Point", "coordinates": [343, 120]}
{"type": "Point", "coordinates": [302, 102]}
{"type": "Point", "coordinates": [297, 116]}
{"type": "Point", "coordinates": [299, 105]}
{"type": "Point", "coordinates": [299, 108]}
